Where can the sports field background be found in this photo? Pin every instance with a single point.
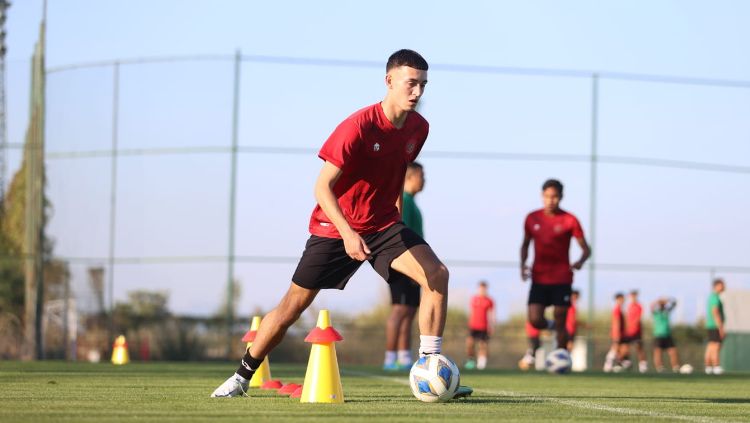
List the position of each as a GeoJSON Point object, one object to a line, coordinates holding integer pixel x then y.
{"type": "Point", "coordinates": [169, 392]}
{"type": "Point", "coordinates": [182, 175]}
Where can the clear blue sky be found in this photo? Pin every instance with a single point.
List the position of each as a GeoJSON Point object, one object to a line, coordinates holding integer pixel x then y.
{"type": "Point", "coordinates": [177, 205]}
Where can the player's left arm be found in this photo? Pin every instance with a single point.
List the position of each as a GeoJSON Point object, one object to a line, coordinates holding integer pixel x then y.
{"type": "Point", "coordinates": [585, 253]}
{"type": "Point", "coordinates": [491, 319]}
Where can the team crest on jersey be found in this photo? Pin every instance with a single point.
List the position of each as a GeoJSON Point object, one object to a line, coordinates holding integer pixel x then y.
{"type": "Point", "coordinates": [376, 147]}
{"type": "Point", "coordinates": [410, 146]}
{"type": "Point", "coordinates": [558, 228]}
{"type": "Point", "coordinates": [537, 226]}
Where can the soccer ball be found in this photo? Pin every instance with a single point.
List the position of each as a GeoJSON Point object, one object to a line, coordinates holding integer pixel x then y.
{"type": "Point", "coordinates": [558, 361]}
{"type": "Point", "coordinates": [434, 378]}
{"type": "Point", "coordinates": [686, 369]}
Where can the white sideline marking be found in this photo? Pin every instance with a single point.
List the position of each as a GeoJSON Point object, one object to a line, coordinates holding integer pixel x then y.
{"type": "Point", "coordinates": [572, 403]}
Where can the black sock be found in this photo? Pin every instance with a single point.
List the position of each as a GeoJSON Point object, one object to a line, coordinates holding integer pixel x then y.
{"type": "Point", "coordinates": [534, 345]}
{"type": "Point", "coordinates": [248, 366]}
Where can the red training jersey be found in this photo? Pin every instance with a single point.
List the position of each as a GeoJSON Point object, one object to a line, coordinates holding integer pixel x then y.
{"type": "Point", "coordinates": [480, 305]}
{"type": "Point", "coordinates": [551, 235]}
{"type": "Point", "coordinates": [633, 319]}
{"type": "Point", "coordinates": [571, 321]}
{"type": "Point", "coordinates": [617, 317]}
{"type": "Point", "coordinates": [531, 331]}
{"type": "Point", "coordinates": [372, 155]}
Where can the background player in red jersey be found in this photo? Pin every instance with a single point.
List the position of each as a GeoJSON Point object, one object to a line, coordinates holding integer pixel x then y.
{"type": "Point", "coordinates": [358, 193]}
{"type": "Point", "coordinates": [481, 323]}
{"type": "Point", "coordinates": [634, 333]}
{"type": "Point", "coordinates": [571, 322]}
{"type": "Point", "coordinates": [551, 228]}
{"type": "Point", "coordinates": [616, 333]}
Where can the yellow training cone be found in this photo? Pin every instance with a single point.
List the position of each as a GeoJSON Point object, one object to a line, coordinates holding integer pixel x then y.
{"type": "Point", "coordinates": [322, 380]}
{"type": "Point", "coordinates": [120, 351]}
{"type": "Point", "coordinates": [263, 374]}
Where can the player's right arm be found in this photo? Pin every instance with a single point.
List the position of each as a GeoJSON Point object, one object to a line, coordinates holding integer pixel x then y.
{"type": "Point", "coordinates": [525, 272]}
{"type": "Point", "coordinates": [717, 319]}
{"type": "Point", "coordinates": [353, 243]}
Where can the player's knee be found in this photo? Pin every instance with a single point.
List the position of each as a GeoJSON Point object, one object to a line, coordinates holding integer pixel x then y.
{"type": "Point", "coordinates": [438, 279]}
{"type": "Point", "coordinates": [539, 322]}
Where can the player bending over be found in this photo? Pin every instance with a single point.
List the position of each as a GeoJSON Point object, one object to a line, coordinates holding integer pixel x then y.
{"type": "Point", "coordinates": [357, 218]}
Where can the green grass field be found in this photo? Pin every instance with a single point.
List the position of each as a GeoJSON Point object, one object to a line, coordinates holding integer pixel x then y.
{"type": "Point", "coordinates": [172, 392]}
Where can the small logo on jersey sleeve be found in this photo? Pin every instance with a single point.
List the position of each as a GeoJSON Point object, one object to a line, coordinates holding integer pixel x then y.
{"type": "Point", "coordinates": [410, 146]}
{"type": "Point", "coordinates": [376, 147]}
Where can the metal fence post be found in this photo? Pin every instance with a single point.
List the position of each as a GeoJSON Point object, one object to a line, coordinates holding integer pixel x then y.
{"type": "Point", "coordinates": [233, 198]}
{"type": "Point", "coordinates": [592, 220]}
{"type": "Point", "coordinates": [113, 194]}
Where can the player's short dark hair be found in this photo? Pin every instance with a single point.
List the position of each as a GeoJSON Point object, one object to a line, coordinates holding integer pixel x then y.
{"type": "Point", "coordinates": [634, 292]}
{"type": "Point", "coordinates": [406, 57]}
{"type": "Point", "coordinates": [575, 292]}
{"type": "Point", "coordinates": [718, 281]}
{"type": "Point", "coordinates": [619, 295]}
{"type": "Point", "coordinates": [414, 166]}
{"type": "Point", "coordinates": [553, 183]}
{"type": "Point", "coordinates": [483, 284]}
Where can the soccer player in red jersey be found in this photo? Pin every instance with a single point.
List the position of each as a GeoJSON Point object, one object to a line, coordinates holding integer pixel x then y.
{"type": "Point", "coordinates": [571, 322]}
{"type": "Point", "coordinates": [551, 228]}
{"type": "Point", "coordinates": [633, 332]}
{"type": "Point", "coordinates": [358, 193]}
{"type": "Point", "coordinates": [481, 323]}
{"type": "Point", "coordinates": [616, 333]}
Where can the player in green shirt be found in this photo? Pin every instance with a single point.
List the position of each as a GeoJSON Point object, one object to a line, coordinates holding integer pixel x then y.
{"type": "Point", "coordinates": [715, 327]}
{"type": "Point", "coordinates": [405, 293]}
{"type": "Point", "coordinates": [660, 310]}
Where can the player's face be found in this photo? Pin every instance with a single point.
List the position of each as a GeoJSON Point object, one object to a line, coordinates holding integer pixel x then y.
{"type": "Point", "coordinates": [551, 199]}
{"type": "Point", "coordinates": [406, 86]}
{"type": "Point", "coordinates": [419, 180]}
{"type": "Point", "coordinates": [720, 288]}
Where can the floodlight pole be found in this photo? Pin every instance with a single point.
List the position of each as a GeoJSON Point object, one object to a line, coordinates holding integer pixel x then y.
{"type": "Point", "coordinates": [232, 199]}
{"type": "Point", "coordinates": [592, 221]}
{"type": "Point", "coordinates": [113, 197]}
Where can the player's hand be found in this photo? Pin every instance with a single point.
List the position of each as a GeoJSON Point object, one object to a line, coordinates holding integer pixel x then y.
{"type": "Point", "coordinates": [576, 266]}
{"type": "Point", "coordinates": [525, 273]}
{"type": "Point", "coordinates": [721, 333]}
{"type": "Point", "coordinates": [356, 248]}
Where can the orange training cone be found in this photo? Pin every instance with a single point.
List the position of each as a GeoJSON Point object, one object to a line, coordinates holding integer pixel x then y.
{"type": "Point", "coordinates": [263, 374]}
{"type": "Point", "coordinates": [322, 380]}
{"type": "Point", "coordinates": [120, 351]}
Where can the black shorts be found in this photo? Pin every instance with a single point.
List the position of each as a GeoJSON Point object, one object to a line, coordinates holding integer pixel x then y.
{"type": "Point", "coordinates": [479, 335]}
{"type": "Point", "coordinates": [546, 295]}
{"type": "Point", "coordinates": [637, 338]}
{"type": "Point", "coordinates": [714, 335]}
{"type": "Point", "coordinates": [325, 264]}
{"type": "Point", "coordinates": [404, 291]}
{"type": "Point", "coordinates": [664, 342]}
